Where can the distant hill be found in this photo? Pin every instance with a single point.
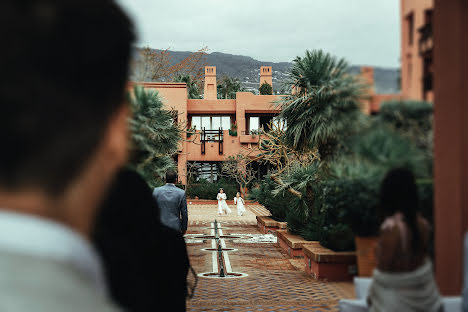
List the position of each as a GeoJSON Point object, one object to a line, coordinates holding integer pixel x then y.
{"type": "Point", "coordinates": [247, 70]}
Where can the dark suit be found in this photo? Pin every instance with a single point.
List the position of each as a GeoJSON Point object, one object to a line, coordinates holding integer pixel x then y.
{"type": "Point", "coordinates": [172, 206]}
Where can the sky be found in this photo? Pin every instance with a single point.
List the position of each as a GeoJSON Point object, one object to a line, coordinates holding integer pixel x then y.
{"type": "Point", "coordinates": [365, 32]}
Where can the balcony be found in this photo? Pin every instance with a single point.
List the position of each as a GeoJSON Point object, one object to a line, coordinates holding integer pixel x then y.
{"type": "Point", "coordinates": [249, 138]}
{"type": "Point", "coordinates": [211, 136]}
{"type": "Point", "coordinates": [426, 42]}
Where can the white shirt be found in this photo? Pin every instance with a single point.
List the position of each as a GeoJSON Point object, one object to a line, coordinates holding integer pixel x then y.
{"type": "Point", "coordinates": [40, 237]}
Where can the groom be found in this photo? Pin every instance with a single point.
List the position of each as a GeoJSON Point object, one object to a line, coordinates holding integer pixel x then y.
{"type": "Point", "coordinates": [172, 203]}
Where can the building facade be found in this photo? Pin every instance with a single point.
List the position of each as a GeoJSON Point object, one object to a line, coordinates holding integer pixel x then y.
{"type": "Point", "coordinates": [224, 127]}
{"type": "Point", "coordinates": [417, 49]}
{"type": "Point", "coordinates": [229, 125]}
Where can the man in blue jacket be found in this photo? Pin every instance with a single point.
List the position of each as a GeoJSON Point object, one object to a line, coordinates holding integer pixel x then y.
{"type": "Point", "coordinates": [172, 203]}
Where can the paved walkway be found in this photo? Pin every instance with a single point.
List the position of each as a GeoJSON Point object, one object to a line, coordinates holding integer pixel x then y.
{"type": "Point", "coordinates": [274, 282]}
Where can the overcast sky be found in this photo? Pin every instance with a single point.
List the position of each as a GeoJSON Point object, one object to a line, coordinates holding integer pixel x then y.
{"type": "Point", "coordinates": [365, 32]}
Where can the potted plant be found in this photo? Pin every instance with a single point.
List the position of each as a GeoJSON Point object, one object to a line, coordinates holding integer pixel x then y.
{"type": "Point", "coordinates": [233, 130]}
{"type": "Point", "coordinates": [364, 221]}
{"type": "Point", "coordinates": [253, 133]}
{"type": "Point", "coordinates": [191, 131]}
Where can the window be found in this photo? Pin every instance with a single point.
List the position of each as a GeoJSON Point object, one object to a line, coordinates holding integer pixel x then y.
{"type": "Point", "coordinates": [254, 124]}
{"type": "Point", "coordinates": [410, 28]}
{"type": "Point", "coordinates": [226, 122]}
{"type": "Point", "coordinates": [206, 122]}
{"type": "Point", "coordinates": [211, 122]}
{"type": "Point", "coordinates": [207, 171]}
{"type": "Point", "coordinates": [196, 122]}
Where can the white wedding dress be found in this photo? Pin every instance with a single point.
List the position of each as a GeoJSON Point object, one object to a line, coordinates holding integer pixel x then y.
{"type": "Point", "coordinates": [222, 205]}
{"type": "Point", "coordinates": [240, 205]}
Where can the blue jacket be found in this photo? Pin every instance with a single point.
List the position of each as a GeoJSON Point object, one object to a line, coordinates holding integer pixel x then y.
{"type": "Point", "coordinates": [172, 206]}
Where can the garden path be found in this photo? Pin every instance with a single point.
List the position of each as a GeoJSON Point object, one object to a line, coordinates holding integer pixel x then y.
{"type": "Point", "coordinates": [274, 282]}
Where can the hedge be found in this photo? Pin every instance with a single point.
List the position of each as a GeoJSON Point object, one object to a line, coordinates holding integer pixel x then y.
{"type": "Point", "coordinates": [210, 190]}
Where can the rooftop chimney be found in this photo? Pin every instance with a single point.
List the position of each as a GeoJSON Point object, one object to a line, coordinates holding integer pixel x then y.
{"type": "Point", "coordinates": [210, 92]}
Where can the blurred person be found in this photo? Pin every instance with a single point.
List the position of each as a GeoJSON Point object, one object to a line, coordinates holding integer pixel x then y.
{"type": "Point", "coordinates": [404, 279]}
{"type": "Point", "coordinates": [240, 203]}
{"type": "Point", "coordinates": [146, 262]}
{"type": "Point", "coordinates": [63, 134]}
{"type": "Point", "coordinates": [222, 205]}
{"type": "Point", "coordinates": [172, 203]}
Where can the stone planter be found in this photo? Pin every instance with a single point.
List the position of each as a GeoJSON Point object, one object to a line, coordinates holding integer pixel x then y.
{"type": "Point", "coordinates": [325, 264]}
{"type": "Point", "coordinates": [267, 224]}
{"type": "Point", "coordinates": [290, 243]}
{"type": "Point", "coordinates": [365, 252]}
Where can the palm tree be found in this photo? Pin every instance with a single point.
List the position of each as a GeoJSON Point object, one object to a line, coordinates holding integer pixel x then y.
{"type": "Point", "coordinates": [228, 87]}
{"type": "Point", "coordinates": [155, 135]}
{"type": "Point", "coordinates": [324, 102]}
{"type": "Point", "coordinates": [193, 88]}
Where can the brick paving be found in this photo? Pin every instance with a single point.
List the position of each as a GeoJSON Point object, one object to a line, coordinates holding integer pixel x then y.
{"type": "Point", "coordinates": [274, 282]}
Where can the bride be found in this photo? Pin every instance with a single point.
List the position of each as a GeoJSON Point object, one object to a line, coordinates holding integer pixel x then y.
{"type": "Point", "coordinates": [222, 205]}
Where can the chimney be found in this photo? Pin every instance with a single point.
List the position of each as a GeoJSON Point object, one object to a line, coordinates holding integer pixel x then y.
{"type": "Point", "coordinates": [210, 92]}
{"type": "Point", "coordinates": [367, 72]}
{"type": "Point", "coordinates": [266, 76]}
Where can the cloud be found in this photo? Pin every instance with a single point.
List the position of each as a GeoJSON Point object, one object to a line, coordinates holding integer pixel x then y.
{"type": "Point", "coordinates": [362, 31]}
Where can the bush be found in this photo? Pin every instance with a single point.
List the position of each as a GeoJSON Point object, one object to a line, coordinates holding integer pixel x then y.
{"type": "Point", "coordinates": [341, 209]}
{"type": "Point", "coordinates": [277, 205]}
{"type": "Point", "coordinates": [376, 151]}
{"type": "Point", "coordinates": [414, 121]}
{"type": "Point", "coordinates": [208, 190]}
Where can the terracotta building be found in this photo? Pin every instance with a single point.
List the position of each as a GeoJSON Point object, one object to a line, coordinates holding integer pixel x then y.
{"type": "Point", "coordinates": [416, 49]}
{"type": "Point", "coordinates": [229, 125]}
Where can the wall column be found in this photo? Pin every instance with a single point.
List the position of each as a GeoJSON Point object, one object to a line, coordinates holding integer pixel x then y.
{"type": "Point", "coordinates": [450, 141]}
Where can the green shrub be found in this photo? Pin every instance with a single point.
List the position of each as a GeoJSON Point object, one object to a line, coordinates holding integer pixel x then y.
{"type": "Point", "coordinates": [209, 190]}
{"type": "Point", "coordinates": [413, 120]}
{"type": "Point", "coordinates": [279, 204]}
{"type": "Point", "coordinates": [342, 208]}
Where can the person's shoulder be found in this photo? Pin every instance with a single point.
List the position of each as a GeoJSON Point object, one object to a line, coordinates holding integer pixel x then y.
{"type": "Point", "coordinates": [69, 290]}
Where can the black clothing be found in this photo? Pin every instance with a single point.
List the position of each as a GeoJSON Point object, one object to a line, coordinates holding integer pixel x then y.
{"type": "Point", "coordinates": [146, 263]}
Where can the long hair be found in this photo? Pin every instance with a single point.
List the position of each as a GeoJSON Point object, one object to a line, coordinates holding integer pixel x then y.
{"type": "Point", "coordinates": [399, 193]}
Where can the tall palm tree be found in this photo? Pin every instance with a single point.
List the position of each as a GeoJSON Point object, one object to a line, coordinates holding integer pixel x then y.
{"type": "Point", "coordinates": [193, 88]}
{"type": "Point", "coordinates": [155, 135]}
{"type": "Point", "coordinates": [324, 101]}
{"type": "Point", "coordinates": [228, 87]}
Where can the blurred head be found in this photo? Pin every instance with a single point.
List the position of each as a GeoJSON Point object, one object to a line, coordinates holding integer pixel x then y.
{"type": "Point", "coordinates": [221, 190]}
{"type": "Point", "coordinates": [171, 176]}
{"type": "Point", "coordinates": [63, 121]}
{"type": "Point", "coordinates": [238, 194]}
{"type": "Point", "coordinates": [399, 192]}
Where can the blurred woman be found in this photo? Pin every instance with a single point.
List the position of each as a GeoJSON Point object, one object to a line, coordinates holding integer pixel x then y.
{"type": "Point", "coordinates": [403, 280]}
{"type": "Point", "coordinates": [146, 263]}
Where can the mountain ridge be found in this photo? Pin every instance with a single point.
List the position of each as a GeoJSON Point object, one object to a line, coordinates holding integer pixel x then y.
{"type": "Point", "coordinates": [247, 70]}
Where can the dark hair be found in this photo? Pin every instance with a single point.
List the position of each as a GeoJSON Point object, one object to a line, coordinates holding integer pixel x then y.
{"type": "Point", "coordinates": [171, 176]}
{"type": "Point", "coordinates": [129, 238]}
{"type": "Point", "coordinates": [399, 193]}
{"type": "Point", "coordinates": [64, 71]}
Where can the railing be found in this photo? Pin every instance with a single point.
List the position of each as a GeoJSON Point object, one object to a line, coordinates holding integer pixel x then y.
{"type": "Point", "coordinates": [212, 136]}
{"type": "Point", "coordinates": [425, 39]}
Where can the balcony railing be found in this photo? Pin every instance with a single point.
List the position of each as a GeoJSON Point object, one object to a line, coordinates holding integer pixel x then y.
{"type": "Point", "coordinates": [425, 39]}
{"type": "Point", "coordinates": [212, 136]}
